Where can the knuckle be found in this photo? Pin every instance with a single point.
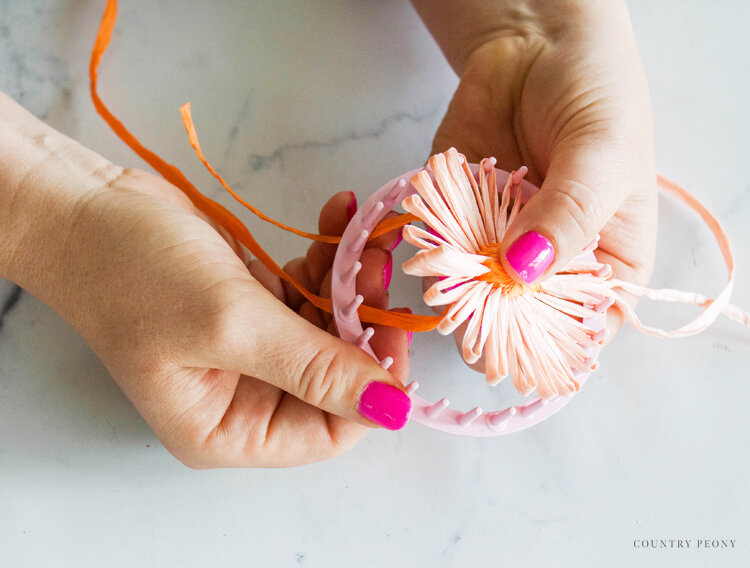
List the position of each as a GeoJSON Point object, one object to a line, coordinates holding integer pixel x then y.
{"type": "Point", "coordinates": [200, 449]}
{"type": "Point", "coordinates": [219, 331]}
{"type": "Point", "coordinates": [322, 377]}
{"type": "Point", "coordinates": [583, 206]}
{"type": "Point", "coordinates": [109, 174]}
{"type": "Point", "coordinates": [194, 462]}
{"type": "Point", "coordinates": [223, 325]}
{"type": "Point", "coordinates": [191, 450]}
{"type": "Point", "coordinates": [341, 446]}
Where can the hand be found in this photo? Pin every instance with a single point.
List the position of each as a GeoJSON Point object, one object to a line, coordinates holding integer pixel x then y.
{"type": "Point", "coordinates": [562, 91]}
{"type": "Point", "coordinates": [223, 371]}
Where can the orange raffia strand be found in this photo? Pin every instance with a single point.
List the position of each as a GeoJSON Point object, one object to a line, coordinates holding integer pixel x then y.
{"type": "Point", "coordinates": [221, 214]}
{"type": "Point", "coordinates": [382, 228]}
{"type": "Point", "coordinates": [388, 225]}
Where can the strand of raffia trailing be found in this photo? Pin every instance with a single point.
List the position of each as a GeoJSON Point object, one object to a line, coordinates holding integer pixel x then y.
{"type": "Point", "coordinates": [712, 306]}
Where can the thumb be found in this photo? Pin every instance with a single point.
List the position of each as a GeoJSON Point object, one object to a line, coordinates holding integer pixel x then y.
{"type": "Point", "coordinates": [272, 343]}
{"type": "Point", "coordinates": [583, 188]}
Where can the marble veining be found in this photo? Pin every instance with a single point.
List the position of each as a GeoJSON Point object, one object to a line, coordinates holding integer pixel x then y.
{"type": "Point", "coordinates": [281, 153]}
{"type": "Point", "coordinates": [8, 303]}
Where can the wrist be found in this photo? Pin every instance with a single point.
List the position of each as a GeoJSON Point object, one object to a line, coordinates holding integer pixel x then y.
{"type": "Point", "coordinates": [462, 28]}
{"type": "Point", "coordinates": [44, 176]}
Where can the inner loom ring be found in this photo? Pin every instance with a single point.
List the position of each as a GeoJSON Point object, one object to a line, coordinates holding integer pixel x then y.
{"type": "Point", "coordinates": [345, 300]}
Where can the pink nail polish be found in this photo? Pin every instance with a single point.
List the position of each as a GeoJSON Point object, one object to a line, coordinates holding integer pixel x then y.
{"type": "Point", "coordinates": [388, 272]}
{"type": "Point", "coordinates": [409, 334]}
{"type": "Point", "coordinates": [530, 256]}
{"type": "Point", "coordinates": [398, 240]}
{"type": "Point", "coordinates": [385, 405]}
{"type": "Point", "coordinates": [351, 209]}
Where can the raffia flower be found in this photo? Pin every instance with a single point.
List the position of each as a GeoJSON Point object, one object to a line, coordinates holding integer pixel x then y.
{"type": "Point", "coordinates": [534, 333]}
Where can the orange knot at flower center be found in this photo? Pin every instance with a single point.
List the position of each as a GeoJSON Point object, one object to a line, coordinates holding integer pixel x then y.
{"type": "Point", "coordinates": [498, 275]}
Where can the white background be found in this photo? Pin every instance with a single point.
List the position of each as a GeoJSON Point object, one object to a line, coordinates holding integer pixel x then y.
{"type": "Point", "coordinates": [294, 101]}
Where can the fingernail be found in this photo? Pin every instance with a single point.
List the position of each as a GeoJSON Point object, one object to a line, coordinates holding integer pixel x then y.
{"type": "Point", "coordinates": [388, 272]}
{"type": "Point", "coordinates": [351, 209]}
{"type": "Point", "coordinates": [385, 405]}
{"type": "Point", "coordinates": [399, 238]}
{"type": "Point", "coordinates": [409, 334]}
{"type": "Point", "coordinates": [530, 256]}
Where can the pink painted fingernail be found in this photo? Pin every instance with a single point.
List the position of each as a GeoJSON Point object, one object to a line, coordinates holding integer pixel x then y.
{"type": "Point", "coordinates": [388, 272]}
{"type": "Point", "coordinates": [385, 405]}
{"type": "Point", "coordinates": [409, 334]}
{"type": "Point", "coordinates": [351, 209]}
{"type": "Point", "coordinates": [530, 256]}
{"type": "Point", "coordinates": [398, 240]}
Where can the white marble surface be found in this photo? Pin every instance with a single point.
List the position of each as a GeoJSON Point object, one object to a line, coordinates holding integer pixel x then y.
{"type": "Point", "coordinates": [296, 100]}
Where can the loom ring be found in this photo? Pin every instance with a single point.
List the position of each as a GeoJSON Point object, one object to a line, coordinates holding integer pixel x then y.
{"type": "Point", "coordinates": [434, 414]}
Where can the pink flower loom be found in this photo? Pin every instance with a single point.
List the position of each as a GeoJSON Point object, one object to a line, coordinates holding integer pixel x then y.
{"type": "Point", "coordinates": [547, 336]}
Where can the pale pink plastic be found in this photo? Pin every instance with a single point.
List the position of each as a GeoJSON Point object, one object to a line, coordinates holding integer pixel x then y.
{"type": "Point", "coordinates": [434, 414]}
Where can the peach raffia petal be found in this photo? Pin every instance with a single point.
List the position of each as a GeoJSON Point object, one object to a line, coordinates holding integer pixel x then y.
{"type": "Point", "coordinates": [420, 238]}
{"type": "Point", "coordinates": [570, 308]}
{"type": "Point", "coordinates": [568, 339]}
{"type": "Point", "coordinates": [576, 266]}
{"type": "Point", "coordinates": [495, 366]}
{"type": "Point", "coordinates": [501, 215]}
{"type": "Point", "coordinates": [548, 364]}
{"type": "Point", "coordinates": [465, 189]}
{"type": "Point", "coordinates": [489, 201]}
{"type": "Point", "coordinates": [568, 336]}
{"type": "Point", "coordinates": [516, 200]}
{"type": "Point", "coordinates": [481, 197]}
{"type": "Point", "coordinates": [495, 201]}
{"type": "Point", "coordinates": [434, 198]}
{"type": "Point", "coordinates": [588, 290]}
{"type": "Point", "coordinates": [525, 351]}
{"type": "Point", "coordinates": [449, 230]}
{"type": "Point", "coordinates": [502, 331]}
{"type": "Point", "coordinates": [453, 196]}
{"type": "Point", "coordinates": [460, 311]}
{"type": "Point", "coordinates": [445, 261]}
{"type": "Point", "coordinates": [471, 350]}
{"type": "Point", "coordinates": [489, 315]}
{"type": "Point", "coordinates": [446, 291]}
{"type": "Point", "coordinates": [550, 350]}
{"type": "Point", "coordinates": [523, 382]}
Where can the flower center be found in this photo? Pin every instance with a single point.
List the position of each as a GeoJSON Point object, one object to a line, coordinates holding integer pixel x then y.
{"type": "Point", "coordinates": [499, 277]}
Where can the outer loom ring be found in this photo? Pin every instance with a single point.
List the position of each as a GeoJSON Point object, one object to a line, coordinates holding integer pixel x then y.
{"type": "Point", "coordinates": [435, 415]}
